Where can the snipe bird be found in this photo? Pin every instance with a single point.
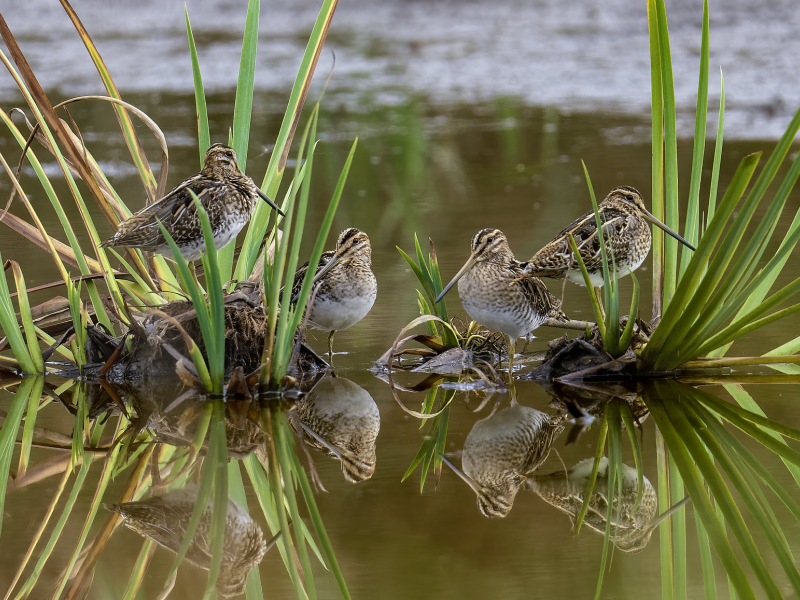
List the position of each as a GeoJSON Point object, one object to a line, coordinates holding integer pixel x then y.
{"type": "Point", "coordinates": [631, 528]}
{"type": "Point", "coordinates": [345, 285]}
{"type": "Point", "coordinates": [228, 195]}
{"type": "Point", "coordinates": [626, 232]}
{"type": "Point", "coordinates": [164, 519]}
{"type": "Point", "coordinates": [495, 294]}
{"type": "Point", "coordinates": [340, 419]}
{"type": "Point", "coordinates": [502, 451]}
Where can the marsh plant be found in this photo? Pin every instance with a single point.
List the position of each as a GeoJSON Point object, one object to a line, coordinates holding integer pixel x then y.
{"type": "Point", "coordinates": [117, 291]}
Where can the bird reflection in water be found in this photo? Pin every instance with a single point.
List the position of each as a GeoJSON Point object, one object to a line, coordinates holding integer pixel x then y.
{"type": "Point", "coordinates": [164, 519]}
{"type": "Point", "coordinates": [340, 419]}
{"type": "Point", "coordinates": [502, 451]}
{"type": "Point", "coordinates": [631, 528]}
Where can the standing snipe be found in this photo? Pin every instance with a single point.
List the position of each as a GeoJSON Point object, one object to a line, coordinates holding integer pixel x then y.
{"type": "Point", "coordinates": [495, 295]}
{"type": "Point", "coordinates": [626, 233]}
{"type": "Point", "coordinates": [631, 528]}
{"type": "Point", "coordinates": [346, 285]}
{"type": "Point", "coordinates": [164, 519]}
{"type": "Point", "coordinates": [502, 451]}
{"type": "Point", "coordinates": [228, 195]}
{"type": "Point", "coordinates": [339, 418]}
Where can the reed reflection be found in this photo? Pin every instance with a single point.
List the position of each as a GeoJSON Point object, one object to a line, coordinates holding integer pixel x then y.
{"type": "Point", "coordinates": [340, 419]}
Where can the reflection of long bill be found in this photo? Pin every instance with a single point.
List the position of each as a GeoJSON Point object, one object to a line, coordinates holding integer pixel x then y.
{"type": "Point", "coordinates": [469, 264]}
{"type": "Point", "coordinates": [467, 479]}
{"type": "Point", "coordinates": [647, 215]}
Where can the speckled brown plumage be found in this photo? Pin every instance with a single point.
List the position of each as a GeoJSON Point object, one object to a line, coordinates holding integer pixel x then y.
{"type": "Point", "coordinates": [625, 229]}
{"type": "Point", "coordinates": [164, 519]}
{"type": "Point", "coordinates": [346, 285]}
{"type": "Point", "coordinates": [503, 450]}
{"type": "Point", "coordinates": [340, 419]}
{"type": "Point", "coordinates": [228, 196]}
{"type": "Point", "coordinates": [495, 294]}
{"type": "Point", "coordinates": [632, 529]}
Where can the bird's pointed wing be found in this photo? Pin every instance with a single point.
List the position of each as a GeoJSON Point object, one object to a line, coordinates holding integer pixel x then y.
{"type": "Point", "coordinates": [556, 257]}
{"type": "Point", "coordinates": [300, 274]}
{"type": "Point", "coordinates": [142, 230]}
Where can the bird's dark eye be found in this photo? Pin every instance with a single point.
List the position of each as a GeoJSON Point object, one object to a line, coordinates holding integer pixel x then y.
{"type": "Point", "coordinates": [356, 240]}
{"type": "Point", "coordinates": [629, 197]}
{"type": "Point", "coordinates": [229, 154]}
{"type": "Point", "coordinates": [489, 240]}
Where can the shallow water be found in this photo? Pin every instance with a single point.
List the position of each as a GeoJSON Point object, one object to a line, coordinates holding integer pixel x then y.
{"type": "Point", "coordinates": [443, 167]}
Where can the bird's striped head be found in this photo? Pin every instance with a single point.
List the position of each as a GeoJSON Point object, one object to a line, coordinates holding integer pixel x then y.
{"type": "Point", "coordinates": [494, 504]}
{"type": "Point", "coordinates": [221, 159]}
{"type": "Point", "coordinates": [489, 243]}
{"type": "Point", "coordinates": [627, 195]}
{"type": "Point", "coordinates": [353, 242]}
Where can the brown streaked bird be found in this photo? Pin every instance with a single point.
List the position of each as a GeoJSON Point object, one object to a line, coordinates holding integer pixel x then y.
{"type": "Point", "coordinates": [346, 285]}
{"type": "Point", "coordinates": [625, 230]}
{"type": "Point", "coordinates": [495, 293]}
{"type": "Point", "coordinates": [164, 519]}
{"type": "Point", "coordinates": [228, 195]}
{"type": "Point", "coordinates": [502, 451]}
{"type": "Point", "coordinates": [340, 419]}
{"type": "Point", "coordinates": [631, 529]}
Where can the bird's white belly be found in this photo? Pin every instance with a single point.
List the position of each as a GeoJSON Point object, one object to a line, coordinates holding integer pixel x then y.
{"type": "Point", "coordinates": [501, 318]}
{"type": "Point", "coordinates": [342, 313]}
{"type": "Point", "coordinates": [575, 275]}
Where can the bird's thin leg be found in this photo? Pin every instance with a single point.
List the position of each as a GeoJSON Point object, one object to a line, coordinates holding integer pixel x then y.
{"type": "Point", "coordinates": [527, 341]}
{"type": "Point", "coordinates": [511, 346]}
{"type": "Point", "coordinates": [330, 345]}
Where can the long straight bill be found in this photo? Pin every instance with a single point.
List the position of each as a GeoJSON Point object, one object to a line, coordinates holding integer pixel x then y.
{"type": "Point", "coordinates": [269, 201]}
{"type": "Point", "coordinates": [321, 273]}
{"type": "Point", "coordinates": [666, 229]}
{"type": "Point", "coordinates": [469, 264]}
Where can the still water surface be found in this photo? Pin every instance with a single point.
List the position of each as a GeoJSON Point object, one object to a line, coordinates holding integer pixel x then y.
{"type": "Point", "coordinates": [442, 170]}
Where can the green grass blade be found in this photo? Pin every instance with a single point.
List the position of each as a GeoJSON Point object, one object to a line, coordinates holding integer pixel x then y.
{"type": "Point", "coordinates": [676, 493]}
{"type": "Point", "coordinates": [598, 314]}
{"type": "Point", "coordinates": [323, 234]}
{"type": "Point", "coordinates": [203, 135]}
{"type": "Point", "coordinates": [685, 461]}
{"type": "Point", "coordinates": [665, 533]}
{"type": "Point", "coordinates": [55, 535]}
{"type": "Point", "coordinates": [746, 402]}
{"type": "Point", "coordinates": [712, 194]}
{"type": "Point", "coordinates": [676, 321]}
{"type": "Point", "coordinates": [692, 228]}
{"type": "Point", "coordinates": [717, 485]}
{"type": "Point", "coordinates": [28, 327]}
{"type": "Point", "coordinates": [285, 451]}
{"type": "Point", "coordinates": [657, 167]}
{"type": "Point", "coordinates": [636, 446]}
{"type": "Point", "coordinates": [254, 590]}
{"type": "Point", "coordinates": [277, 163]}
{"type": "Point", "coordinates": [242, 111]}
{"type": "Point", "coordinates": [715, 445]}
{"type": "Point", "coordinates": [672, 219]}
{"type": "Point", "coordinates": [589, 490]}
{"type": "Point", "coordinates": [218, 455]}
{"type": "Point", "coordinates": [706, 562]}
{"type": "Point", "coordinates": [8, 432]}
{"type": "Point", "coordinates": [319, 527]}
